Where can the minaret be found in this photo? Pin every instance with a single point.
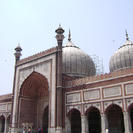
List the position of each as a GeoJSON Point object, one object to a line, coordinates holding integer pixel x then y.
{"type": "Point", "coordinates": [59, 105]}
{"type": "Point", "coordinates": [17, 54]}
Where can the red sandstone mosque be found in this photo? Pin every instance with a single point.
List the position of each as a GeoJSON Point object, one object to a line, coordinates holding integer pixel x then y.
{"type": "Point", "coordinates": [58, 90]}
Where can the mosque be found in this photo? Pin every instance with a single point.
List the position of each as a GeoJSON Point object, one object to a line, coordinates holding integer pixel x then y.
{"type": "Point", "coordinates": [58, 90]}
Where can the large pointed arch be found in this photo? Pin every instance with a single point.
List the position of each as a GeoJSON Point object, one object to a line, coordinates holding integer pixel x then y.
{"type": "Point", "coordinates": [33, 95]}
{"type": "Point", "coordinates": [37, 82]}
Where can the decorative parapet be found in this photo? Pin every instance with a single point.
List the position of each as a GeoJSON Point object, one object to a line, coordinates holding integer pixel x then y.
{"type": "Point", "coordinates": [6, 97]}
{"type": "Point", "coordinates": [106, 76]}
{"type": "Point", "coordinates": [38, 55]}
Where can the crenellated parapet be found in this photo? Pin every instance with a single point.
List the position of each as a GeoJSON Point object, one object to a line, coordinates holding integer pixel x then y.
{"type": "Point", "coordinates": [98, 78]}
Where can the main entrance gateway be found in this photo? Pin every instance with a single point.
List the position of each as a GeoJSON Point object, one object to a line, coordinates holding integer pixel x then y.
{"type": "Point", "coordinates": [33, 99]}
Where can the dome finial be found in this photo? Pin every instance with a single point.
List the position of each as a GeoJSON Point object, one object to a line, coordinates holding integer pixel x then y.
{"type": "Point", "coordinates": [127, 38]}
{"type": "Point", "coordinates": [69, 35]}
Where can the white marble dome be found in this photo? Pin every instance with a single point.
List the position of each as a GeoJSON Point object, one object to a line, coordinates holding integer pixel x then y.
{"type": "Point", "coordinates": [76, 63]}
{"type": "Point", "coordinates": [123, 57]}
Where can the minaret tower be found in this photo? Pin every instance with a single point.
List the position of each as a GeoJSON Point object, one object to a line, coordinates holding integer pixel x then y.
{"type": "Point", "coordinates": [17, 55]}
{"type": "Point", "coordinates": [59, 106]}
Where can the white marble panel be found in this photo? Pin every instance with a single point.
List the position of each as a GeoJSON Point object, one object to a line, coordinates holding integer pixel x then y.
{"type": "Point", "coordinates": [116, 102]}
{"type": "Point", "coordinates": [96, 105]}
{"type": "Point", "coordinates": [129, 102]}
{"type": "Point", "coordinates": [75, 97]}
{"type": "Point", "coordinates": [9, 106]}
{"type": "Point", "coordinates": [112, 91]}
{"type": "Point", "coordinates": [69, 108]}
{"type": "Point", "coordinates": [129, 89]}
{"type": "Point", "coordinates": [42, 68]}
{"type": "Point", "coordinates": [3, 107]}
{"type": "Point", "coordinates": [91, 94]}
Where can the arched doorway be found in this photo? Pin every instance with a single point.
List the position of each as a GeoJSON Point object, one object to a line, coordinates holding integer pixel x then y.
{"type": "Point", "coordinates": [45, 120]}
{"type": "Point", "coordinates": [33, 97]}
{"type": "Point", "coordinates": [130, 110]}
{"type": "Point", "coordinates": [2, 124]}
{"type": "Point", "coordinates": [94, 120]}
{"type": "Point", "coordinates": [75, 120]}
{"type": "Point", "coordinates": [115, 119]}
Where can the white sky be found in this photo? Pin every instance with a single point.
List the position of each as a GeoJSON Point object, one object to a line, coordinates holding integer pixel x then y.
{"type": "Point", "coordinates": [97, 27]}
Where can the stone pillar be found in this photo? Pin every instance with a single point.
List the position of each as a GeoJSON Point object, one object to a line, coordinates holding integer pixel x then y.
{"type": "Point", "coordinates": [127, 122]}
{"type": "Point", "coordinates": [5, 128]}
{"type": "Point", "coordinates": [84, 124]}
{"type": "Point", "coordinates": [68, 125]}
{"type": "Point", "coordinates": [104, 123]}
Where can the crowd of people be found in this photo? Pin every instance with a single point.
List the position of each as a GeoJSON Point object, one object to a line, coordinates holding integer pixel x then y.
{"type": "Point", "coordinates": [29, 130]}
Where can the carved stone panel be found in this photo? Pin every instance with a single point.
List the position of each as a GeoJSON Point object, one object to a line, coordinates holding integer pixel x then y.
{"type": "Point", "coordinates": [3, 107]}
{"type": "Point", "coordinates": [73, 97]}
{"type": "Point", "coordinates": [129, 102]}
{"type": "Point", "coordinates": [117, 102]}
{"type": "Point", "coordinates": [88, 106]}
{"type": "Point", "coordinates": [129, 89]}
{"type": "Point", "coordinates": [42, 68]}
{"type": "Point", "coordinates": [91, 94]}
{"type": "Point", "coordinates": [112, 91]}
{"type": "Point", "coordinates": [70, 108]}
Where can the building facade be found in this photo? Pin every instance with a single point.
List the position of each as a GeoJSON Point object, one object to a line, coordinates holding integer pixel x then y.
{"type": "Point", "coordinates": [58, 90]}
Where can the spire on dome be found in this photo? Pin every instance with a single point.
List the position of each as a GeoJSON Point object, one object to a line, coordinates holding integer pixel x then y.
{"type": "Point", "coordinates": [127, 38]}
{"type": "Point", "coordinates": [69, 36]}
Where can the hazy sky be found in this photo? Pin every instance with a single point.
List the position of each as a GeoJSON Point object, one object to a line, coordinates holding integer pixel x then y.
{"type": "Point", "coordinates": [97, 27]}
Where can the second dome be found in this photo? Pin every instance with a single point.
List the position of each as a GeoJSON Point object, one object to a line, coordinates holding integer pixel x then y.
{"type": "Point", "coordinates": [76, 63]}
{"type": "Point", "coordinates": [123, 57]}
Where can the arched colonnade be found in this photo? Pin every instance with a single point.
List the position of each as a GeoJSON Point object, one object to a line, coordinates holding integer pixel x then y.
{"type": "Point", "coordinates": [113, 120]}
{"type": "Point", "coordinates": [5, 121]}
